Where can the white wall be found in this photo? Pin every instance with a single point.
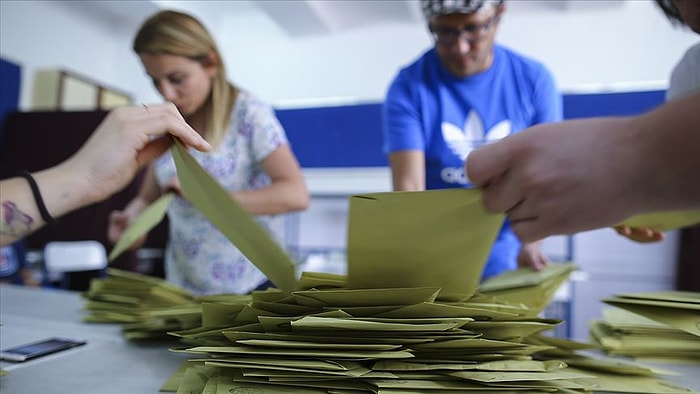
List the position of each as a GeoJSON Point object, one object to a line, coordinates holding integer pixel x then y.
{"type": "Point", "coordinates": [583, 42]}
{"type": "Point", "coordinates": [608, 42]}
{"type": "Point", "coordinates": [39, 34]}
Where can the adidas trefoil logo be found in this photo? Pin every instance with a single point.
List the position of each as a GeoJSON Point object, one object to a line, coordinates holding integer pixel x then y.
{"type": "Point", "coordinates": [462, 141]}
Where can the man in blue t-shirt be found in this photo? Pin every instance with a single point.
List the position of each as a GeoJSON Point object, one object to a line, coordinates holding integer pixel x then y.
{"type": "Point", "coordinates": [465, 92]}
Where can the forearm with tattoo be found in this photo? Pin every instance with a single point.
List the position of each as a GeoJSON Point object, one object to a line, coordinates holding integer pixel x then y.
{"type": "Point", "coordinates": [14, 223]}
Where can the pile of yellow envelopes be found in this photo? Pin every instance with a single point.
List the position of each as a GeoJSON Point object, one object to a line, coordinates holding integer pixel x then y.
{"type": "Point", "coordinates": [661, 325]}
{"type": "Point", "coordinates": [147, 307]}
{"type": "Point", "coordinates": [385, 340]}
{"type": "Point", "coordinates": [328, 338]}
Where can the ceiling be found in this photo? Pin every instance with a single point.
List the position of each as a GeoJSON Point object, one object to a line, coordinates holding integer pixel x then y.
{"type": "Point", "coordinates": [298, 18]}
{"type": "Point", "coordinates": [303, 18]}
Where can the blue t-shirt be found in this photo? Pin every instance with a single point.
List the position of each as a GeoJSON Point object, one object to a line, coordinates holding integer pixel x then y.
{"type": "Point", "coordinates": [430, 110]}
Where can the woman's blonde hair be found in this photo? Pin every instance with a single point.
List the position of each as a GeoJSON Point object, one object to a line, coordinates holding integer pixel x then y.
{"type": "Point", "coordinates": [176, 33]}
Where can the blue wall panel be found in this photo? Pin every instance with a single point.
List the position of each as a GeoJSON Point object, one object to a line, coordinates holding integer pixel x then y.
{"type": "Point", "coordinates": [10, 79]}
{"type": "Point", "coordinates": [344, 136]}
{"type": "Point", "coordinates": [351, 136]}
{"type": "Point", "coordinates": [611, 104]}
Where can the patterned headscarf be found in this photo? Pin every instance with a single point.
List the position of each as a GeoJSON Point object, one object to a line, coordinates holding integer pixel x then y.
{"type": "Point", "coordinates": [433, 8]}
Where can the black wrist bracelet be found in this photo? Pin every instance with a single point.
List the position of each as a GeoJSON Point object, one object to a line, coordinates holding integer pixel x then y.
{"type": "Point", "coordinates": [37, 197]}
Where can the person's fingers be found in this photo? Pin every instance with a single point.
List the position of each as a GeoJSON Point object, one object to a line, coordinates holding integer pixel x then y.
{"type": "Point", "coordinates": [153, 149]}
{"type": "Point", "coordinates": [542, 261]}
{"type": "Point", "coordinates": [138, 243]}
{"type": "Point", "coordinates": [646, 235]}
{"type": "Point", "coordinates": [159, 107]}
{"type": "Point", "coordinates": [487, 163]}
{"type": "Point", "coordinates": [168, 123]}
{"type": "Point", "coordinates": [173, 186]}
{"type": "Point", "coordinates": [117, 222]}
{"type": "Point", "coordinates": [504, 195]}
{"type": "Point", "coordinates": [641, 235]}
{"type": "Point", "coordinates": [531, 230]}
{"type": "Point", "coordinates": [116, 217]}
{"type": "Point", "coordinates": [658, 236]}
{"type": "Point", "coordinates": [531, 256]}
{"type": "Point", "coordinates": [487, 167]}
{"type": "Point", "coordinates": [173, 189]}
{"type": "Point", "coordinates": [164, 118]}
{"type": "Point", "coordinates": [625, 231]}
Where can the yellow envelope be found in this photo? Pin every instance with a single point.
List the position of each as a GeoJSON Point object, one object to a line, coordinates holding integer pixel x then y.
{"type": "Point", "coordinates": [676, 296]}
{"type": "Point", "coordinates": [607, 381]}
{"type": "Point", "coordinates": [433, 309]}
{"type": "Point", "coordinates": [434, 238]}
{"type": "Point", "coordinates": [308, 353]}
{"type": "Point", "coordinates": [369, 297]}
{"type": "Point", "coordinates": [294, 344]}
{"type": "Point", "coordinates": [664, 221]}
{"type": "Point", "coordinates": [205, 194]}
{"type": "Point", "coordinates": [312, 323]}
{"type": "Point", "coordinates": [683, 316]}
{"type": "Point", "coordinates": [142, 224]}
{"type": "Point", "coordinates": [525, 277]}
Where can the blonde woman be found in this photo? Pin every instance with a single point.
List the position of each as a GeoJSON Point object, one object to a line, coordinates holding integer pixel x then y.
{"type": "Point", "coordinates": [250, 157]}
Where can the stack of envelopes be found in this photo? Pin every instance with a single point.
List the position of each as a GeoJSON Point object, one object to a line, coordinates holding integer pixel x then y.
{"type": "Point", "coordinates": [147, 307]}
{"type": "Point", "coordinates": [389, 340]}
{"type": "Point", "coordinates": [326, 338]}
{"type": "Point", "coordinates": [659, 325]}
{"type": "Point", "coordinates": [534, 289]}
{"type": "Point", "coordinates": [613, 375]}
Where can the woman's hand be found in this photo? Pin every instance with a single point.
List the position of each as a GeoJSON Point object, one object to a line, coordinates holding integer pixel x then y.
{"type": "Point", "coordinates": [127, 139]}
{"type": "Point", "coordinates": [532, 256]}
{"type": "Point", "coordinates": [173, 186]}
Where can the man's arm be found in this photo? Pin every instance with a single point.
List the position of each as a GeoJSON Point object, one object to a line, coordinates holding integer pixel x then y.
{"type": "Point", "coordinates": [578, 175]}
{"type": "Point", "coordinates": [407, 170]}
{"type": "Point", "coordinates": [403, 136]}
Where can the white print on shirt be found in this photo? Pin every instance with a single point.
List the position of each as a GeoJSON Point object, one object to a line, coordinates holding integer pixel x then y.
{"type": "Point", "coordinates": [462, 141]}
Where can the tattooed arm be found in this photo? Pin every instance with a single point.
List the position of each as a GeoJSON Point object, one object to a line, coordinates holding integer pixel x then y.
{"type": "Point", "coordinates": [19, 215]}
{"type": "Point", "coordinates": [128, 138]}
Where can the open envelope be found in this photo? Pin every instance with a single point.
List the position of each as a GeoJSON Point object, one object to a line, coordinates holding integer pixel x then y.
{"type": "Point", "coordinates": [140, 226]}
{"type": "Point", "coordinates": [205, 194]}
{"type": "Point", "coordinates": [434, 238]}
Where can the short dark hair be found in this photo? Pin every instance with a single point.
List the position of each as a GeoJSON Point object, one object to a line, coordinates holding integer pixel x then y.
{"type": "Point", "coordinates": [671, 11]}
{"type": "Point", "coordinates": [433, 8]}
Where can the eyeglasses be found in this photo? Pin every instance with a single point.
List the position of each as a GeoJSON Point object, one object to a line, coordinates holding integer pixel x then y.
{"type": "Point", "coordinates": [448, 36]}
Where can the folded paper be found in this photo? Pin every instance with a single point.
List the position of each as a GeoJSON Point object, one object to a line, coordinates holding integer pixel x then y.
{"type": "Point", "coordinates": [420, 239]}
{"type": "Point", "coordinates": [205, 194]}
{"type": "Point", "coordinates": [142, 224]}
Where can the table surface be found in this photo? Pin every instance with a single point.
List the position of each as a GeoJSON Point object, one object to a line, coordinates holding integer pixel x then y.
{"type": "Point", "coordinates": [107, 363]}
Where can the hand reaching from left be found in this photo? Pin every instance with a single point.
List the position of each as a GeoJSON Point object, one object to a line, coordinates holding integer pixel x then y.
{"type": "Point", "coordinates": [127, 139]}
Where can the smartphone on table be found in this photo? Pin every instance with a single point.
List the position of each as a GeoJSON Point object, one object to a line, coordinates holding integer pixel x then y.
{"type": "Point", "coordinates": [40, 348]}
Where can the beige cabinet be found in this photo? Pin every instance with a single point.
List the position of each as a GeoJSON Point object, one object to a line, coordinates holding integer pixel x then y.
{"type": "Point", "coordinates": [61, 90]}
